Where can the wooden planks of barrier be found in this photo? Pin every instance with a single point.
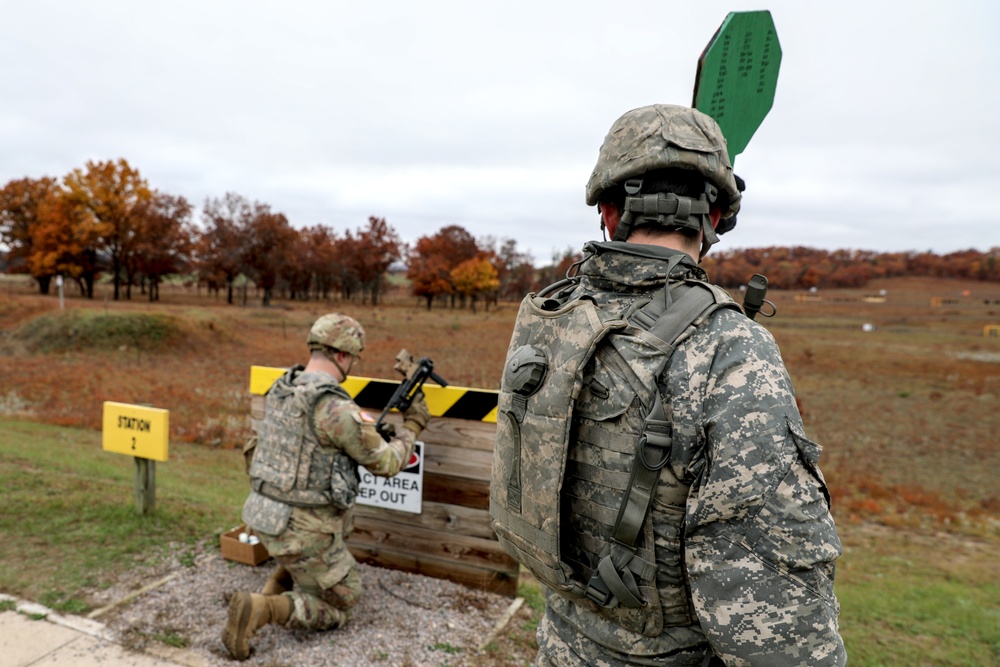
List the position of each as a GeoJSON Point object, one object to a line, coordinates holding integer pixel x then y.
{"type": "Point", "coordinates": [451, 538]}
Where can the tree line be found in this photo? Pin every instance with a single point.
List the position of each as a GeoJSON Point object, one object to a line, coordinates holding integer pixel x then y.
{"type": "Point", "coordinates": [106, 220]}
{"type": "Point", "coordinates": [805, 268]}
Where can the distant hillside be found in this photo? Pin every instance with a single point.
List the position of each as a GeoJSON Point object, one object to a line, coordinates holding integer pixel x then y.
{"type": "Point", "coordinates": [804, 268]}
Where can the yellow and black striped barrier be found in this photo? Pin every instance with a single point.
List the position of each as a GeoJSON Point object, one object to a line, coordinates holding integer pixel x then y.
{"type": "Point", "coordinates": [451, 402]}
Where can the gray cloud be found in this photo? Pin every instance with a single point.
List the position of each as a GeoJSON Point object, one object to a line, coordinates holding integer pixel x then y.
{"type": "Point", "coordinates": [489, 115]}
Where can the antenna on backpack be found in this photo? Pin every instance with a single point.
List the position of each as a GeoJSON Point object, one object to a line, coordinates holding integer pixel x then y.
{"type": "Point", "coordinates": [754, 300]}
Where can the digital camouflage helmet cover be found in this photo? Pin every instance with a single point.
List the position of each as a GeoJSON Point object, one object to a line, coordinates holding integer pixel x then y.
{"type": "Point", "coordinates": [665, 136]}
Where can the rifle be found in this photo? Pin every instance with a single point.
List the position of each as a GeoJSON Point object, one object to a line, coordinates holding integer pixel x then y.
{"type": "Point", "coordinates": [415, 373]}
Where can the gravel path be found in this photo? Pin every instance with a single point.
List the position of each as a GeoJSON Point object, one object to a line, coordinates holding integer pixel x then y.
{"type": "Point", "coordinates": [403, 619]}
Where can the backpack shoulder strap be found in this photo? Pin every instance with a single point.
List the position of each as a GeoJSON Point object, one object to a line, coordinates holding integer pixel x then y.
{"type": "Point", "coordinates": [667, 317]}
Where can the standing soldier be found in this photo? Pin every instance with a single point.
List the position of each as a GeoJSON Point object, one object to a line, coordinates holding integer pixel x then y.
{"type": "Point", "coordinates": [651, 467]}
{"type": "Point", "coordinates": [304, 481]}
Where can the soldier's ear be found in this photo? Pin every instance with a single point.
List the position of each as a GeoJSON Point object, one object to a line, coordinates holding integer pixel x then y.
{"type": "Point", "coordinates": [715, 215]}
{"type": "Point", "coordinates": [610, 217]}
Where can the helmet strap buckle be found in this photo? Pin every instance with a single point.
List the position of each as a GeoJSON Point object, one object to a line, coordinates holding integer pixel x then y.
{"type": "Point", "coordinates": [711, 192]}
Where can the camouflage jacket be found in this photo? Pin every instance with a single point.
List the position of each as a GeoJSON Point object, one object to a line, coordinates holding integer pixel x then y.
{"type": "Point", "coordinates": [343, 435]}
{"type": "Point", "coordinates": [758, 543]}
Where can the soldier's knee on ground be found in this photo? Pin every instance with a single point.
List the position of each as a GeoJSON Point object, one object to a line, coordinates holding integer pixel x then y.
{"type": "Point", "coordinates": [346, 593]}
{"type": "Point", "coordinates": [312, 613]}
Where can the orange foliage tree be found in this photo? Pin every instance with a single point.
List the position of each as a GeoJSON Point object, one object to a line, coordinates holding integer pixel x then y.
{"type": "Point", "coordinates": [66, 242]}
{"type": "Point", "coordinates": [19, 203]}
{"type": "Point", "coordinates": [165, 240]}
{"type": "Point", "coordinates": [433, 258]}
{"type": "Point", "coordinates": [320, 259]}
{"type": "Point", "coordinates": [111, 195]}
{"type": "Point", "coordinates": [475, 277]}
{"type": "Point", "coordinates": [306, 266]}
{"type": "Point", "coordinates": [268, 245]}
{"type": "Point", "coordinates": [375, 249]}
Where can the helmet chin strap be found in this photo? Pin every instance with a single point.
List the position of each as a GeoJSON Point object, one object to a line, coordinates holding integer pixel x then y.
{"type": "Point", "coordinates": [708, 236]}
{"type": "Point", "coordinates": [331, 355]}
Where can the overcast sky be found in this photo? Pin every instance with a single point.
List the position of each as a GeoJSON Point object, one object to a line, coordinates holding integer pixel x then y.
{"type": "Point", "coordinates": [884, 132]}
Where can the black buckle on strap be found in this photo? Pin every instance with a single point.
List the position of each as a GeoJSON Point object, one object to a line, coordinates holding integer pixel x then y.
{"type": "Point", "coordinates": [597, 591]}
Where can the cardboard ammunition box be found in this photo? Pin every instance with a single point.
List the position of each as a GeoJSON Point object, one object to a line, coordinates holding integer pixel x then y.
{"type": "Point", "coordinates": [241, 552]}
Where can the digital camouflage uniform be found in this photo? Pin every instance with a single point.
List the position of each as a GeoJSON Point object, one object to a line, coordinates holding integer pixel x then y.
{"type": "Point", "coordinates": [753, 560]}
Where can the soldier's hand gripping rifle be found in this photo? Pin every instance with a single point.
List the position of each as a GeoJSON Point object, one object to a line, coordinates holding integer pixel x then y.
{"type": "Point", "coordinates": [415, 373]}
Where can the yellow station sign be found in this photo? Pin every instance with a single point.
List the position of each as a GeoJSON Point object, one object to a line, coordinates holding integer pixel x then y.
{"type": "Point", "coordinates": [136, 430]}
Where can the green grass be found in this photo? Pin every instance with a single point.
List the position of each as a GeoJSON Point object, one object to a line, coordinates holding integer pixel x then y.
{"type": "Point", "coordinates": [919, 600]}
{"type": "Point", "coordinates": [80, 329]}
{"type": "Point", "coordinates": [69, 524]}
{"type": "Point", "coordinates": [69, 520]}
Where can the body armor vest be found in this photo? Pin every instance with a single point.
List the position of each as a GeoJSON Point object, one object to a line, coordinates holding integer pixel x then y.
{"type": "Point", "coordinates": [290, 465]}
{"type": "Point", "coordinates": [584, 449]}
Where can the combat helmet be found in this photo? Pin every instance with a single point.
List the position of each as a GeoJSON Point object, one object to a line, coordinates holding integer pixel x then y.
{"type": "Point", "coordinates": [664, 136]}
{"type": "Point", "coordinates": [339, 332]}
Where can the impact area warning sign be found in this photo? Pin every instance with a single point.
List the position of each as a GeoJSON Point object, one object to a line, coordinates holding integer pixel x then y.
{"type": "Point", "coordinates": [403, 493]}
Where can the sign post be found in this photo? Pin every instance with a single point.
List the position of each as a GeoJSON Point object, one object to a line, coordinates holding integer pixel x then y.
{"type": "Point", "coordinates": [737, 76]}
{"type": "Point", "coordinates": [141, 432]}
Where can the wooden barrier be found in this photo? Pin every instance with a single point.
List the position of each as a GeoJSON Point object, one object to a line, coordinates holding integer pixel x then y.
{"type": "Point", "coordinates": [452, 538]}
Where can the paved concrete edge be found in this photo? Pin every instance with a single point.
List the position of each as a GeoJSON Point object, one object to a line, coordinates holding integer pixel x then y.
{"type": "Point", "coordinates": [98, 630]}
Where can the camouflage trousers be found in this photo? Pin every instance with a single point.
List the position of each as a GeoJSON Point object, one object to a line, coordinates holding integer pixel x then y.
{"type": "Point", "coordinates": [560, 645]}
{"type": "Point", "coordinates": [327, 583]}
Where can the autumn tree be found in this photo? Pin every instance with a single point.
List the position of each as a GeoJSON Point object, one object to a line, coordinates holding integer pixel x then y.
{"type": "Point", "coordinates": [19, 202]}
{"type": "Point", "coordinates": [66, 241]}
{"type": "Point", "coordinates": [515, 270]}
{"type": "Point", "coordinates": [220, 249]}
{"type": "Point", "coordinates": [434, 257]}
{"type": "Point", "coordinates": [321, 258]}
{"type": "Point", "coordinates": [313, 267]}
{"type": "Point", "coordinates": [296, 275]}
{"type": "Point", "coordinates": [345, 249]}
{"type": "Point", "coordinates": [269, 241]}
{"type": "Point", "coordinates": [428, 271]}
{"type": "Point", "coordinates": [475, 277]}
{"type": "Point", "coordinates": [165, 239]}
{"type": "Point", "coordinates": [561, 263]}
{"type": "Point", "coordinates": [377, 247]}
{"type": "Point", "coordinates": [111, 193]}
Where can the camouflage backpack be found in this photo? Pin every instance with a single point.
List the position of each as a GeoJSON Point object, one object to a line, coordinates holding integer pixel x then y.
{"type": "Point", "coordinates": [567, 360]}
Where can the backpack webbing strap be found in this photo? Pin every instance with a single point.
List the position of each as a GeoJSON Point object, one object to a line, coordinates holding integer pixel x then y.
{"type": "Point", "coordinates": [612, 581]}
{"type": "Point", "coordinates": [520, 404]}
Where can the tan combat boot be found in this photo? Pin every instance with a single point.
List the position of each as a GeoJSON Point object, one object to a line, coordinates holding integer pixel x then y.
{"type": "Point", "coordinates": [249, 612]}
{"type": "Point", "coordinates": [279, 582]}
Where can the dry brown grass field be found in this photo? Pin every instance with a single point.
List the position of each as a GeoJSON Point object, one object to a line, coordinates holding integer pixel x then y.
{"type": "Point", "coordinates": [908, 413]}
